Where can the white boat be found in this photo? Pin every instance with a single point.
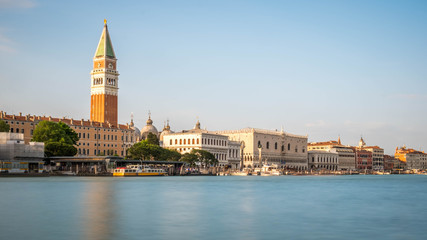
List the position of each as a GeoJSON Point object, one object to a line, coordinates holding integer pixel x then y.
{"type": "Point", "coordinates": [270, 170]}
{"type": "Point", "coordinates": [239, 173]}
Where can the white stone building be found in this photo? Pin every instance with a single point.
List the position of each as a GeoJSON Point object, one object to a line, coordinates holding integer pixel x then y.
{"type": "Point", "coordinates": [227, 152]}
{"type": "Point", "coordinates": [18, 157]}
{"type": "Point", "coordinates": [323, 160]}
{"type": "Point", "coordinates": [270, 147]}
{"type": "Point", "coordinates": [346, 155]}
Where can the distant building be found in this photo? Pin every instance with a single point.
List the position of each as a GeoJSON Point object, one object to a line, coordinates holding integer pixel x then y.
{"type": "Point", "coordinates": [18, 157]}
{"type": "Point", "coordinates": [363, 159]}
{"type": "Point", "coordinates": [414, 159]}
{"type": "Point", "coordinates": [346, 155]}
{"type": "Point", "coordinates": [95, 138]}
{"type": "Point", "coordinates": [272, 147]}
{"type": "Point", "coordinates": [226, 151]}
{"type": "Point", "coordinates": [166, 130]}
{"type": "Point", "coordinates": [377, 155]}
{"type": "Point", "coordinates": [323, 160]}
{"type": "Point", "coordinates": [149, 128]}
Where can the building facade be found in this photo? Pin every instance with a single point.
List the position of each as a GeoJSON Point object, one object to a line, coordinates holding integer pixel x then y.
{"type": "Point", "coordinates": [322, 160]}
{"type": "Point", "coordinates": [415, 160]}
{"type": "Point", "coordinates": [225, 151]}
{"type": "Point", "coordinates": [363, 159]}
{"type": "Point", "coordinates": [270, 147]}
{"type": "Point", "coordinates": [346, 155]}
{"type": "Point", "coordinates": [95, 138]}
{"type": "Point", "coordinates": [18, 157]}
{"type": "Point", "coordinates": [377, 155]}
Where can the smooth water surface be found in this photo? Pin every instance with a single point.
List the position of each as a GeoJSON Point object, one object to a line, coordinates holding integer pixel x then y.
{"type": "Point", "coordinates": [230, 207]}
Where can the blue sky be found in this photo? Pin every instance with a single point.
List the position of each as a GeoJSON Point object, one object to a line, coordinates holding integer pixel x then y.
{"type": "Point", "coordinates": [322, 68]}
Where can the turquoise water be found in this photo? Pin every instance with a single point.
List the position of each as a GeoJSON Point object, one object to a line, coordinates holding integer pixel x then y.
{"type": "Point", "coordinates": [253, 207]}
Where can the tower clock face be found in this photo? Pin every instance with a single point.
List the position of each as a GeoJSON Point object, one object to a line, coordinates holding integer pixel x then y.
{"type": "Point", "coordinates": [110, 65]}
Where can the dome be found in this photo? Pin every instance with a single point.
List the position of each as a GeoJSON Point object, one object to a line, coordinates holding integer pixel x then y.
{"type": "Point", "coordinates": [137, 132]}
{"type": "Point", "coordinates": [149, 128]}
{"type": "Point", "coordinates": [166, 130]}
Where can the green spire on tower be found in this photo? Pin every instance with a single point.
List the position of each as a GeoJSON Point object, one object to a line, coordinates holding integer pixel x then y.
{"type": "Point", "coordinates": [105, 47]}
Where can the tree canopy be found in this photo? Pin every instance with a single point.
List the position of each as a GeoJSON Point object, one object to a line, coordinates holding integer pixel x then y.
{"type": "Point", "coordinates": [4, 127]}
{"type": "Point", "coordinates": [152, 139]}
{"type": "Point", "coordinates": [198, 157]}
{"type": "Point", "coordinates": [59, 138]}
{"type": "Point", "coordinates": [148, 151]}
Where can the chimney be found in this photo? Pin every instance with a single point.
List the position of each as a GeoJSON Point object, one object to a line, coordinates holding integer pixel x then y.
{"type": "Point", "coordinates": [13, 116]}
{"type": "Point", "coordinates": [72, 121]}
{"type": "Point", "coordinates": [82, 121]}
{"type": "Point", "coordinates": [27, 117]}
{"type": "Point", "coordinates": [20, 114]}
{"type": "Point", "coordinates": [50, 118]}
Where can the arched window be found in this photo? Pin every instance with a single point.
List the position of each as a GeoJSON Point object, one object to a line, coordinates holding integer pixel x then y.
{"type": "Point", "coordinates": [296, 148]}
{"type": "Point", "coordinates": [180, 141]}
{"type": "Point", "coordinates": [170, 142]}
{"type": "Point", "coordinates": [176, 141]}
{"type": "Point", "coordinates": [289, 146]}
{"type": "Point", "coordinates": [283, 148]}
{"type": "Point", "coordinates": [275, 145]}
{"type": "Point", "coordinates": [197, 141]}
{"type": "Point", "coordinates": [268, 145]}
{"type": "Point", "coordinates": [259, 144]}
{"type": "Point", "coordinates": [192, 141]}
{"type": "Point", "coordinates": [185, 141]}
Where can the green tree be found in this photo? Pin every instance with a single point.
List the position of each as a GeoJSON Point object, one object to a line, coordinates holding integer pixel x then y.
{"type": "Point", "coordinates": [152, 139]}
{"type": "Point", "coordinates": [4, 127]}
{"type": "Point", "coordinates": [169, 155]}
{"type": "Point", "coordinates": [205, 158]}
{"type": "Point", "coordinates": [59, 138]}
{"type": "Point", "coordinates": [144, 151]}
{"type": "Point", "coordinates": [59, 149]}
{"type": "Point", "coordinates": [74, 137]}
{"type": "Point", "coordinates": [147, 151]}
{"type": "Point", "coordinates": [190, 158]}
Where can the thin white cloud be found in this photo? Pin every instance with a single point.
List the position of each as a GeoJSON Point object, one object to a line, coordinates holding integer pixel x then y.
{"type": "Point", "coordinates": [319, 123]}
{"type": "Point", "coordinates": [17, 4]}
{"type": "Point", "coordinates": [6, 44]}
{"type": "Point", "coordinates": [410, 96]}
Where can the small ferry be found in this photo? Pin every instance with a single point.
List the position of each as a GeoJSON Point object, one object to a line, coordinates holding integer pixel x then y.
{"type": "Point", "coordinates": [138, 170]}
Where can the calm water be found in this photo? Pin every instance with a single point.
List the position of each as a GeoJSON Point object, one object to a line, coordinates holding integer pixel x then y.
{"type": "Point", "coordinates": [287, 207]}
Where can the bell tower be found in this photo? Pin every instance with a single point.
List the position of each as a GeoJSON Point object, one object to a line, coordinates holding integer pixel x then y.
{"type": "Point", "coordinates": [104, 82]}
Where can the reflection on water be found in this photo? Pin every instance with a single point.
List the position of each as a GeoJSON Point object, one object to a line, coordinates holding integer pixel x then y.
{"type": "Point", "coordinates": [287, 207]}
{"type": "Point", "coordinates": [98, 210]}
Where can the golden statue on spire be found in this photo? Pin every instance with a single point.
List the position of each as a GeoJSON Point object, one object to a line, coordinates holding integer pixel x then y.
{"type": "Point", "coordinates": [105, 21]}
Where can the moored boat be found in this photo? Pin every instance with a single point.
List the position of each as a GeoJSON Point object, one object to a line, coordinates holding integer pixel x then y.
{"type": "Point", "coordinates": [138, 170]}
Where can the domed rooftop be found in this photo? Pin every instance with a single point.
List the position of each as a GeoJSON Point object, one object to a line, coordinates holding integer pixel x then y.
{"type": "Point", "coordinates": [149, 128]}
{"type": "Point", "coordinates": [132, 126]}
{"type": "Point", "coordinates": [166, 130]}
